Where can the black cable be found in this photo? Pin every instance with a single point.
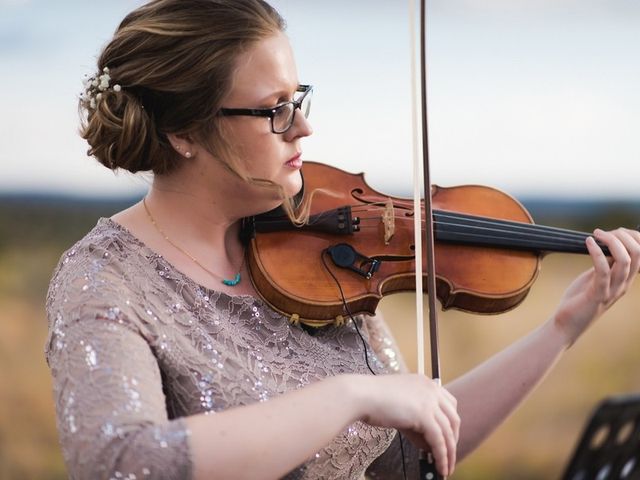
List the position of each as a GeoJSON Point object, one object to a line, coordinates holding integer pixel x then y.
{"type": "Point", "coordinates": [364, 344]}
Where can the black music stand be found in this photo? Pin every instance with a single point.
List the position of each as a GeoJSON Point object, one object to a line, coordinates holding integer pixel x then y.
{"type": "Point", "coordinates": [609, 447]}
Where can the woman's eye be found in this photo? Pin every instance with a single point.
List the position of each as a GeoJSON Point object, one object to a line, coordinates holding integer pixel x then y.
{"type": "Point", "coordinates": [282, 111]}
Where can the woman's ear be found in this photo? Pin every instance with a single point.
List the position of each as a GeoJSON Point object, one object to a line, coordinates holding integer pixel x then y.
{"type": "Point", "coordinates": [183, 144]}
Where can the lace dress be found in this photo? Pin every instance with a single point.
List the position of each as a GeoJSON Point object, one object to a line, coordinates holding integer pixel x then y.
{"type": "Point", "coordinates": [134, 346]}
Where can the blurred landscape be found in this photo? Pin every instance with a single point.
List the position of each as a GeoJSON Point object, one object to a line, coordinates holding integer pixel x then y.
{"type": "Point", "coordinates": [534, 443]}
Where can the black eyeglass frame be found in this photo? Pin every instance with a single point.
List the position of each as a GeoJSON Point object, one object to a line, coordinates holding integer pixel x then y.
{"type": "Point", "coordinates": [271, 112]}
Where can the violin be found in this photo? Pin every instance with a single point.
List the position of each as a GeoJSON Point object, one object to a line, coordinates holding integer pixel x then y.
{"type": "Point", "coordinates": [358, 246]}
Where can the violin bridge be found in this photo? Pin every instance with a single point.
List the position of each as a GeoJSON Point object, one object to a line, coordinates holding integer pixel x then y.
{"type": "Point", "coordinates": [388, 221]}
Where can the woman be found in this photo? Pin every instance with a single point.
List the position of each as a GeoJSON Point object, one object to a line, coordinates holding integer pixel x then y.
{"type": "Point", "coordinates": [165, 362]}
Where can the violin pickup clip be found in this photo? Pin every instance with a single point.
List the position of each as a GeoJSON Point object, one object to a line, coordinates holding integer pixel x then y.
{"type": "Point", "coordinates": [344, 255]}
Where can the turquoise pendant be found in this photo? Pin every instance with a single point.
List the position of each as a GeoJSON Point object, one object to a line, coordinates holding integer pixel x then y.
{"type": "Point", "coordinates": [234, 282]}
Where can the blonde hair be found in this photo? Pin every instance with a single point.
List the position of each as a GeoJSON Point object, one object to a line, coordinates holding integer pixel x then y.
{"type": "Point", "coordinates": [173, 61]}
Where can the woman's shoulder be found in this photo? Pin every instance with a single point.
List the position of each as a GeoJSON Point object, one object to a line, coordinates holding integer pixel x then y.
{"type": "Point", "coordinates": [100, 266]}
{"type": "Point", "coordinates": [105, 247]}
{"type": "Point", "coordinates": [95, 278]}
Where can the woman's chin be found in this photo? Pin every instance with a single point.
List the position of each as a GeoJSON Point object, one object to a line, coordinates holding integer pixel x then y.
{"type": "Point", "coordinates": [293, 184]}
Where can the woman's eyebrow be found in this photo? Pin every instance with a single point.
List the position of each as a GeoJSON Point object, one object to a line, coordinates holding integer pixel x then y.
{"type": "Point", "coordinates": [282, 93]}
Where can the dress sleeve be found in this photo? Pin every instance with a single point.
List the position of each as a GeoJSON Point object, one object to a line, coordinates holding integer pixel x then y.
{"type": "Point", "coordinates": [110, 406]}
{"type": "Point", "coordinates": [112, 418]}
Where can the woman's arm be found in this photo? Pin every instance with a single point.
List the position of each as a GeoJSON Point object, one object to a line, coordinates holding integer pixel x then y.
{"type": "Point", "coordinates": [113, 420]}
{"type": "Point", "coordinates": [491, 391]}
{"type": "Point", "coordinates": [268, 439]}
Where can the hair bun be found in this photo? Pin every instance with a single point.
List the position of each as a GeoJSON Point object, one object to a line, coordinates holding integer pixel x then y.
{"type": "Point", "coordinates": [117, 127]}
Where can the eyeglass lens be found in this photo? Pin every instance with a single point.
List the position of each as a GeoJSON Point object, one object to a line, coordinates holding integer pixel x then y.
{"type": "Point", "coordinates": [284, 116]}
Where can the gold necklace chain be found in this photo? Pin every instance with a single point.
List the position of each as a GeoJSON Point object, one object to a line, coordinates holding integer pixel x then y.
{"type": "Point", "coordinates": [229, 282]}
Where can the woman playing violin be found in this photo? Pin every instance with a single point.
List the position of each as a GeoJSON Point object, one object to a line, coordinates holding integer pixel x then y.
{"type": "Point", "coordinates": [166, 363]}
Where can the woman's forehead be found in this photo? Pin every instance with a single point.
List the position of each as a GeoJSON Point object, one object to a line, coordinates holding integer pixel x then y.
{"type": "Point", "coordinates": [267, 68]}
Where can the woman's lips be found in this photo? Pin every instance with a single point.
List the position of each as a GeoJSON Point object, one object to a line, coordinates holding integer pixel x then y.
{"type": "Point", "coordinates": [295, 161]}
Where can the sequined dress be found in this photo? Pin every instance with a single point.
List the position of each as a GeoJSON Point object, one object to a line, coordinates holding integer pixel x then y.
{"type": "Point", "coordinates": [134, 346]}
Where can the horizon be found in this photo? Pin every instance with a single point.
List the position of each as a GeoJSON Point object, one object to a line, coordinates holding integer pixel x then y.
{"type": "Point", "coordinates": [538, 201]}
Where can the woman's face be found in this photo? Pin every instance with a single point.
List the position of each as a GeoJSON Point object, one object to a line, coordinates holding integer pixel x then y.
{"type": "Point", "coordinates": [265, 77]}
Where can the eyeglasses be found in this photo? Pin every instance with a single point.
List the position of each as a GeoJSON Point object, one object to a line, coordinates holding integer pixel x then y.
{"type": "Point", "coordinates": [282, 115]}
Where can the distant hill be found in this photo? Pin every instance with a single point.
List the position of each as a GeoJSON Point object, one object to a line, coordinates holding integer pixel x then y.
{"type": "Point", "coordinates": [27, 219]}
{"type": "Point", "coordinates": [584, 214]}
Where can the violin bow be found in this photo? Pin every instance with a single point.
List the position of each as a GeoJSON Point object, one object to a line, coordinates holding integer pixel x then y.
{"type": "Point", "coordinates": [427, 466]}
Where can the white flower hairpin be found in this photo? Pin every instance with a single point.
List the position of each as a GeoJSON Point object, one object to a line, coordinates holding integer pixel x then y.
{"type": "Point", "coordinates": [95, 85]}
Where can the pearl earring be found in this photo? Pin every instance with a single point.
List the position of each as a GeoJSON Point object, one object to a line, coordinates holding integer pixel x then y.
{"type": "Point", "coordinates": [187, 154]}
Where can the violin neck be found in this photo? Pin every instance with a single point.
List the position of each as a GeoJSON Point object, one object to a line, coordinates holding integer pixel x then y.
{"type": "Point", "coordinates": [453, 227]}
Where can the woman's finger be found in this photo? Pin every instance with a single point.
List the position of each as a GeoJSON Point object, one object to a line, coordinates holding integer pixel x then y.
{"type": "Point", "coordinates": [450, 439]}
{"type": "Point", "coordinates": [601, 270]}
{"type": "Point", "coordinates": [619, 270]}
{"type": "Point", "coordinates": [436, 440]}
{"type": "Point", "coordinates": [631, 241]}
{"type": "Point", "coordinates": [449, 407]}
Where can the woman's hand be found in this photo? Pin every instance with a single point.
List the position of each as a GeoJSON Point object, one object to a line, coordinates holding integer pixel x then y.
{"type": "Point", "coordinates": [593, 292]}
{"type": "Point", "coordinates": [420, 408]}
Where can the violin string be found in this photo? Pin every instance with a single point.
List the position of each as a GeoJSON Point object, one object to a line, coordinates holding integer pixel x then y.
{"type": "Point", "coordinates": [516, 234]}
{"type": "Point", "coordinates": [506, 234]}
{"type": "Point", "coordinates": [510, 229]}
{"type": "Point", "coordinates": [497, 223]}
{"type": "Point", "coordinates": [541, 243]}
{"type": "Point", "coordinates": [513, 240]}
{"type": "Point", "coordinates": [511, 224]}
{"type": "Point", "coordinates": [486, 225]}
{"type": "Point", "coordinates": [513, 232]}
{"type": "Point", "coordinates": [502, 233]}
{"type": "Point", "coordinates": [472, 227]}
{"type": "Point", "coordinates": [470, 217]}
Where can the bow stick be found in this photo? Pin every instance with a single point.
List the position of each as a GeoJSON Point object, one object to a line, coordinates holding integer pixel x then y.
{"type": "Point", "coordinates": [427, 466]}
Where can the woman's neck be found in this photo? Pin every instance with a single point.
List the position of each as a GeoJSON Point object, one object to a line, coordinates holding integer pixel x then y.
{"type": "Point", "coordinates": [197, 218]}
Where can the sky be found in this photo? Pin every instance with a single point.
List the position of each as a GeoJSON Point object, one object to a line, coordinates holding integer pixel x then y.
{"type": "Point", "coordinates": [535, 97]}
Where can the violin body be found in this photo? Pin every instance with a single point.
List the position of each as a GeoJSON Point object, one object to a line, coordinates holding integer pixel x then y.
{"type": "Point", "coordinates": [294, 272]}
